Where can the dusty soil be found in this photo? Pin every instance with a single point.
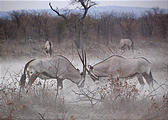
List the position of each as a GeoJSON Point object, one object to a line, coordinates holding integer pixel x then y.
{"type": "Point", "coordinates": [41, 103]}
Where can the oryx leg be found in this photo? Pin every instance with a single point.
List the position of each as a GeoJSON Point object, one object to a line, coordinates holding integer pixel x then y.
{"type": "Point", "coordinates": [50, 52]}
{"type": "Point", "coordinates": [149, 79]}
{"type": "Point", "coordinates": [123, 47]}
{"type": "Point", "coordinates": [43, 88]}
{"type": "Point", "coordinates": [132, 47]}
{"type": "Point", "coordinates": [44, 84]}
{"type": "Point", "coordinates": [128, 47]}
{"type": "Point", "coordinates": [59, 84]}
{"type": "Point", "coordinates": [141, 81]}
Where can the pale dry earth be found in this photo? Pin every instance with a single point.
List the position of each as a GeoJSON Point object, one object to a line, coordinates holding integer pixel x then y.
{"type": "Point", "coordinates": [69, 106]}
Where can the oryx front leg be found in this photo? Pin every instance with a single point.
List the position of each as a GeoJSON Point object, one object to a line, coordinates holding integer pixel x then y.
{"type": "Point", "coordinates": [44, 84]}
{"type": "Point", "coordinates": [59, 84]}
{"type": "Point", "coordinates": [141, 81]}
{"type": "Point", "coordinates": [149, 79]}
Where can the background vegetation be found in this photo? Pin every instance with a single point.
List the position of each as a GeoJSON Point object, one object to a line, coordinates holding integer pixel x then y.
{"type": "Point", "coordinates": [24, 26]}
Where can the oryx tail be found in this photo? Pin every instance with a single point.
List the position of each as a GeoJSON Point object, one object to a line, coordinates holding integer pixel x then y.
{"type": "Point", "coordinates": [151, 78]}
{"type": "Point", "coordinates": [23, 77]}
{"type": "Point", "coordinates": [132, 45]}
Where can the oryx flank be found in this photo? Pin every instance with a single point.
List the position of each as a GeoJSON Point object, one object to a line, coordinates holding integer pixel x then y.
{"type": "Point", "coordinates": [58, 67]}
{"type": "Point", "coordinates": [121, 67]}
{"type": "Point", "coordinates": [126, 44]}
{"type": "Point", "coordinates": [48, 48]}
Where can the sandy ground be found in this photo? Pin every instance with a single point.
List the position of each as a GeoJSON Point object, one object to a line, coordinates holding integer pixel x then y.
{"type": "Point", "coordinates": [69, 106]}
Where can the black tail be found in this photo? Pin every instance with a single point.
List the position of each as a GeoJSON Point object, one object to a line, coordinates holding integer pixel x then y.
{"type": "Point", "coordinates": [132, 45]}
{"type": "Point", "coordinates": [151, 78]}
{"type": "Point", "coordinates": [50, 50]}
{"type": "Point", "coordinates": [23, 77]}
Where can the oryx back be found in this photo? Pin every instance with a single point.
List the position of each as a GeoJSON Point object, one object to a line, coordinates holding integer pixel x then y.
{"type": "Point", "coordinates": [58, 66]}
{"type": "Point", "coordinates": [118, 66]}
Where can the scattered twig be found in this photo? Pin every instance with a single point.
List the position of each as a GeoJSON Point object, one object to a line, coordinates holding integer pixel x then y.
{"type": "Point", "coordinates": [42, 116]}
{"type": "Point", "coordinates": [156, 89]}
{"type": "Point", "coordinates": [90, 95]}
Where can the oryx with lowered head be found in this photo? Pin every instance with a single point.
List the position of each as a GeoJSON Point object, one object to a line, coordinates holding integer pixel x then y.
{"type": "Point", "coordinates": [58, 67]}
{"type": "Point", "coordinates": [126, 44]}
{"type": "Point", "coordinates": [48, 48]}
{"type": "Point", "coordinates": [120, 67]}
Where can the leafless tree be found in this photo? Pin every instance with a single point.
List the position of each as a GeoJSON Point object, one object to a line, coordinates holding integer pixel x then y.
{"type": "Point", "coordinates": [84, 5]}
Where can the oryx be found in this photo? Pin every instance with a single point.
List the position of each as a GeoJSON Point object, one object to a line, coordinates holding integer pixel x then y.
{"type": "Point", "coordinates": [126, 44]}
{"type": "Point", "coordinates": [48, 48]}
{"type": "Point", "coordinates": [58, 67]}
{"type": "Point", "coordinates": [120, 67]}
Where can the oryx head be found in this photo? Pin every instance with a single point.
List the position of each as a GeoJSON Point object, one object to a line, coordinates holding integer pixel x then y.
{"type": "Point", "coordinates": [23, 77]}
{"type": "Point", "coordinates": [91, 73]}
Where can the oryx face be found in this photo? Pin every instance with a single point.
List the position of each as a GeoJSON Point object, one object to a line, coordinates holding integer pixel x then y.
{"type": "Point", "coordinates": [91, 73]}
{"type": "Point", "coordinates": [30, 71]}
{"type": "Point", "coordinates": [32, 75]}
{"type": "Point", "coordinates": [82, 80]}
{"type": "Point", "coordinates": [81, 83]}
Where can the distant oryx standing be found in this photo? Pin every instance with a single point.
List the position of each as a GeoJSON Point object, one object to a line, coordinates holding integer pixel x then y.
{"type": "Point", "coordinates": [121, 67]}
{"type": "Point", "coordinates": [126, 44]}
{"type": "Point", "coordinates": [57, 67]}
{"type": "Point", "coordinates": [48, 48]}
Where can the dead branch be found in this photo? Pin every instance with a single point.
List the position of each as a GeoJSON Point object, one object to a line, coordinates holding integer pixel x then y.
{"type": "Point", "coordinates": [42, 116]}
{"type": "Point", "coordinates": [58, 13]}
{"type": "Point", "coordinates": [160, 86]}
{"type": "Point", "coordinates": [90, 95]}
{"type": "Point", "coordinates": [86, 4]}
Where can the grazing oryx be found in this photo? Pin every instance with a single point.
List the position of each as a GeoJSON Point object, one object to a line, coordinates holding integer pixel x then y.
{"type": "Point", "coordinates": [121, 67]}
{"type": "Point", "coordinates": [48, 48]}
{"type": "Point", "coordinates": [126, 43]}
{"type": "Point", "coordinates": [57, 67]}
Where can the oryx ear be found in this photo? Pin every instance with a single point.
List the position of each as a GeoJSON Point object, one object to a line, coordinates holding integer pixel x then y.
{"type": "Point", "coordinates": [90, 67]}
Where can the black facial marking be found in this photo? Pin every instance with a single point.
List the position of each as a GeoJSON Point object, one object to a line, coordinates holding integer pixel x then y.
{"type": "Point", "coordinates": [91, 67]}
{"type": "Point", "coordinates": [46, 74]}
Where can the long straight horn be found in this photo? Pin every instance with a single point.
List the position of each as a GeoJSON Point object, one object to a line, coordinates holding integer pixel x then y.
{"type": "Point", "coordinates": [85, 59]}
{"type": "Point", "coordinates": [80, 57]}
{"type": "Point", "coordinates": [83, 56]}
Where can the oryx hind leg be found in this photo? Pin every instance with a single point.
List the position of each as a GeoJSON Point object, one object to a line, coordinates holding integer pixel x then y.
{"type": "Point", "coordinates": [149, 79]}
{"type": "Point", "coordinates": [141, 81]}
{"type": "Point", "coordinates": [128, 47]}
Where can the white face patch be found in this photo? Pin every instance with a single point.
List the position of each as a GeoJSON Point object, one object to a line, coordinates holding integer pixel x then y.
{"type": "Point", "coordinates": [30, 71]}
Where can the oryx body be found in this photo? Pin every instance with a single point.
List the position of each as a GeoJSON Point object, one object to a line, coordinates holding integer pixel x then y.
{"type": "Point", "coordinates": [57, 67]}
{"type": "Point", "coordinates": [121, 67]}
{"type": "Point", "coordinates": [48, 48]}
{"type": "Point", "coordinates": [126, 43]}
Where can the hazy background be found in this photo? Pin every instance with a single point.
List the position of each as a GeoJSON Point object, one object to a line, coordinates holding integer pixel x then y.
{"type": "Point", "coordinates": [23, 34]}
{"type": "Point", "coordinates": [42, 4]}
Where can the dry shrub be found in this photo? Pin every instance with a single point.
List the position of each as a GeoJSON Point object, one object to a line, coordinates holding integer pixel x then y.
{"type": "Point", "coordinates": [38, 101]}
{"type": "Point", "coordinates": [118, 95]}
{"type": "Point", "coordinates": [126, 98]}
